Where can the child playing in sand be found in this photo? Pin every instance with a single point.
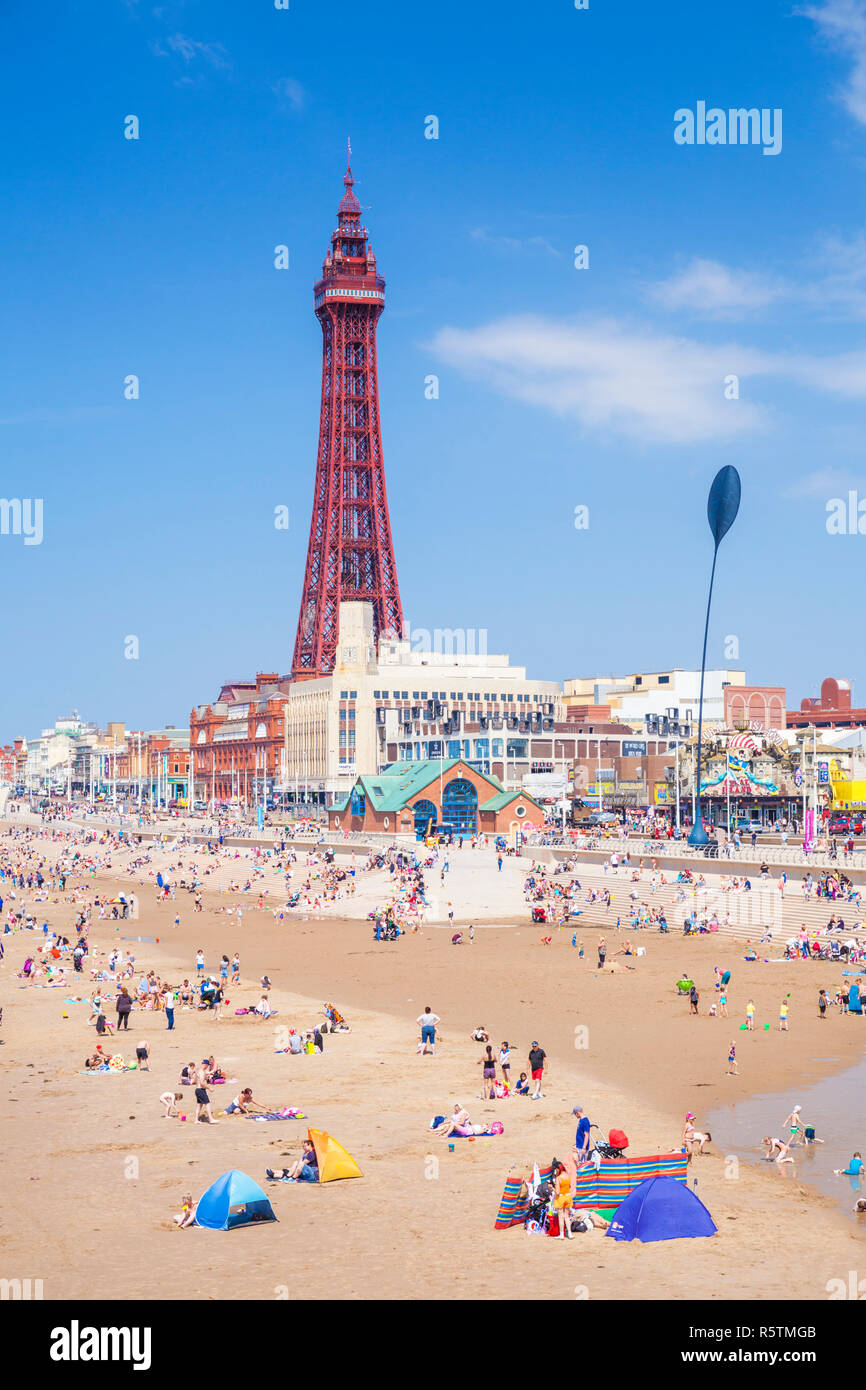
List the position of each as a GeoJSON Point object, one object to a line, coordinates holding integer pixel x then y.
{"type": "Point", "coordinates": [169, 1100]}
{"type": "Point", "coordinates": [142, 1055]}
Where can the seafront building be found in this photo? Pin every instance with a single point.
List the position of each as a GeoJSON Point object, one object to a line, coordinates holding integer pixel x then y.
{"type": "Point", "coordinates": [631, 698]}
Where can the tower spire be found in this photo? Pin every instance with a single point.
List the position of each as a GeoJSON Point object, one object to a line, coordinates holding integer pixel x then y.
{"type": "Point", "coordinates": [350, 556]}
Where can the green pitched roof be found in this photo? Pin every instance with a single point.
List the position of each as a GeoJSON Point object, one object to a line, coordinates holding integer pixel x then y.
{"type": "Point", "coordinates": [503, 798]}
{"type": "Point", "coordinates": [390, 789]}
{"type": "Point", "coordinates": [399, 783]}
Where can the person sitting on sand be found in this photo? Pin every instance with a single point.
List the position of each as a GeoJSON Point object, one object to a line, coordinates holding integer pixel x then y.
{"type": "Point", "coordinates": [304, 1169]}
{"type": "Point", "coordinates": [95, 1062]}
{"type": "Point", "coordinates": [187, 1216]}
{"type": "Point", "coordinates": [480, 1034]}
{"type": "Point", "coordinates": [459, 1123]}
{"type": "Point", "coordinates": [522, 1086]}
{"type": "Point", "coordinates": [854, 1169]}
{"type": "Point", "coordinates": [243, 1103]}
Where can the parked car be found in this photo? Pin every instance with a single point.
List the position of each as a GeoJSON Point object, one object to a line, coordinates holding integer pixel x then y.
{"type": "Point", "coordinates": [845, 825]}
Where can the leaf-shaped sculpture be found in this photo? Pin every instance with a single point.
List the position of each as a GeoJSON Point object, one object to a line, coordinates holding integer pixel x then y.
{"type": "Point", "coordinates": [723, 502]}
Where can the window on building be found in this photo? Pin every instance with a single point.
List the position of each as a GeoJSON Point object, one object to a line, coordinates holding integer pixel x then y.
{"type": "Point", "coordinates": [357, 802]}
{"type": "Point", "coordinates": [344, 695]}
{"type": "Point", "coordinates": [638, 680]}
{"type": "Point", "coordinates": [351, 715]}
{"type": "Point", "coordinates": [516, 747]}
{"type": "Point", "coordinates": [377, 695]}
{"type": "Point", "coordinates": [664, 680]}
{"type": "Point", "coordinates": [353, 694]}
{"type": "Point", "coordinates": [343, 715]}
{"type": "Point", "coordinates": [497, 747]}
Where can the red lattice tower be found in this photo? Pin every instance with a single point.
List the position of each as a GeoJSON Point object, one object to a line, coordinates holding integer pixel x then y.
{"type": "Point", "coordinates": [350, 555]}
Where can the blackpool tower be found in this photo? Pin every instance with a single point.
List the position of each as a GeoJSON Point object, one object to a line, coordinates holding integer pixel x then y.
{"type": "Point", "coordinates": [350, 554]}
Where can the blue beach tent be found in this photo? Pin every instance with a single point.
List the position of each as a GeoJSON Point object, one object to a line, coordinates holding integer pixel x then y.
{"type": "Point", "coordinates": [233, 1200]}
{"type": "Point", "coordinates": [855, 1004]}
{"type": "Point", "coordinates": [661, 1209]}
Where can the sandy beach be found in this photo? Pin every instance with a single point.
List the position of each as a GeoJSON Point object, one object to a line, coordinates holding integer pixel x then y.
{"type": "Point", "coordinates": [89, 1158]}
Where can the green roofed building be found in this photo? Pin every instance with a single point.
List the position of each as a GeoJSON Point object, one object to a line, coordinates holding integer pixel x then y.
{"type": "Point", "coordinates": [423, 798]}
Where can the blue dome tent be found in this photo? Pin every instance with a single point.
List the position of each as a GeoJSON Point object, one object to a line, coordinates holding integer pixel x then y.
{"type": "Point", "coordinates": [233, 1200]}
{"type": "Point", "coordinates": [661, 1209]}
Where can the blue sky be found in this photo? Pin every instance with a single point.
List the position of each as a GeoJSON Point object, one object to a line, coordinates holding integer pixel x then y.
{"type": "Point", "coordinates": [559, 387]}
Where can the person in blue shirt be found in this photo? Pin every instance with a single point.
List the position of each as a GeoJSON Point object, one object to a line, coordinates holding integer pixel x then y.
{"type": "Point", "coordinates": [581, 1138]}
{"type": "Point", "coordinates": [854, 1169]}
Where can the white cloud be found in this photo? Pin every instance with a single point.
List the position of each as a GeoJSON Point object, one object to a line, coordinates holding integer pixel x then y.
{"type": "Point", "coordinates": [510, 243]}
{"type": "Point", "coordinates": [843, 24]}
{"type": "Point", "coordinates": [715, 290]}
{"type": "Point", "coordinates": [636, 381]}
{"type": "Point", "coordinates": [830, 283]}
{"type": "Point", "coordinates": [190, 49]}
{"type": "Point", "coordinates": [291, 92]}
{"type": "Point", "coordinates": [824, 482]}
{"type": "Point", "coordinates": [631, 381]}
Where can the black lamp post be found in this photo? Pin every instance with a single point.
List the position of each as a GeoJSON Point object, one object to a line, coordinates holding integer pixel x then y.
{"type": "Point", "coordinates": [723, 504]}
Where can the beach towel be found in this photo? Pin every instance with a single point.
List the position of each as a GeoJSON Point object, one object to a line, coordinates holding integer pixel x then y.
{"type": "Point", "coordinates": [487, 1134]}
{"type": "Point", "coordinates": [278, 1115]}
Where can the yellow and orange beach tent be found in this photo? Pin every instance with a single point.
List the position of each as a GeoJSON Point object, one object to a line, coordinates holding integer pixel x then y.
{"type": "Point", "coordinates": [334, 1161]}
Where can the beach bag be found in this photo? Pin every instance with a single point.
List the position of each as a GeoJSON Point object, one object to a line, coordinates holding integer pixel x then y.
{"type": "Point", "coordinates": [497, 1127]}
{"type": "Point", "coordinates": [437, 1121]}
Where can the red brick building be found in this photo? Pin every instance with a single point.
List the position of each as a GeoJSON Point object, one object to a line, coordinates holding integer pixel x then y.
{"type": "Point", "coordinates": [831, 710]}
{"type": "Point", "coordinates": [13, 757]}
{"type": "Point", "coordinates": [158, 761]}
{"type": "Point", "coordinates": [238, 742]}
{"type": "Point", "coordinates": [421, 798]}
{"type": "Point", "coordinates": [755, 706]}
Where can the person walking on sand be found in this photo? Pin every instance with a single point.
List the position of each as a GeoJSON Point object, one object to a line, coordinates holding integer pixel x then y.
{"type": "Point", "coordinates": [202, 1099]}
{"type": "Point", "coordinates": [723, 1004]}
{"type": "Point", "coordinates": [488, 1062]}
{"type": "Point", "coordinates": [563, 1201]}
{"type": "Point", "coordinates": [537, 1058]}
{"type": "Point", "coordinates": [602, 952]}
{"type": "Point", "coordinates": [750, 1016]}
{"type": "Point", "coordinates": [427, 1022]}
{"type": "Point", "coordinates": [505, 1062]}
{"type": "Point", "coordinates": [694, 999]}
{"type": "Point", "coordinates": [733, 1069]}
{"type": "Point", "coordinates": [124, 1008]}
{"type": "Point", "coordinates": [783, 1015]}
{"type": "Point", "coordinates": [822, 1005]}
